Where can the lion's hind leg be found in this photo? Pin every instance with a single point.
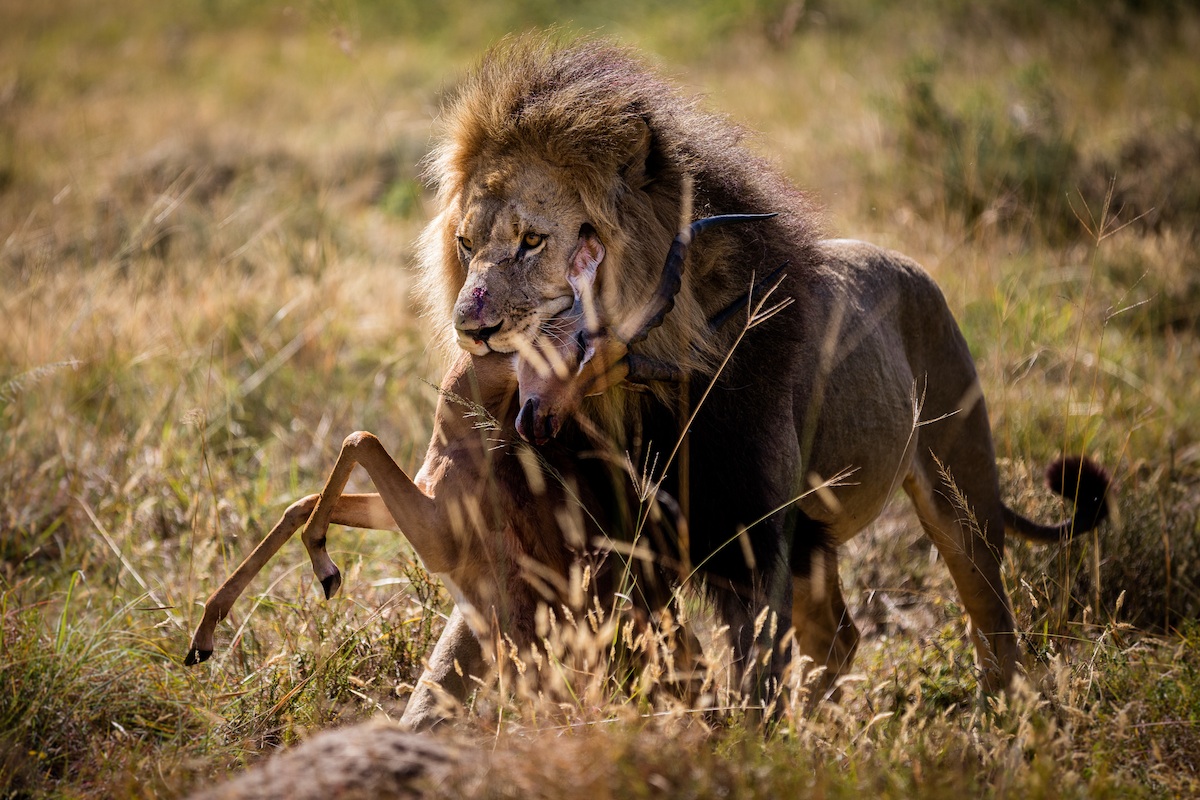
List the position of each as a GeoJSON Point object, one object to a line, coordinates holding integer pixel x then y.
{"type": "Point", "coordinates": [966, 524]}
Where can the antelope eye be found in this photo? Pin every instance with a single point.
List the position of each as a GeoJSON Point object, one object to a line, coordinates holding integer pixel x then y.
{"type": "Point", "coordinates": [532, 240]}
{"type": "Point", "coordinates": [465, 243]}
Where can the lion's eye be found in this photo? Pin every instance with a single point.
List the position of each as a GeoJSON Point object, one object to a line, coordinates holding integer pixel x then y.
{"type": "Point", "coordinates": [531, 240]}
{"type": "Point", "coordinates": [465, 243]}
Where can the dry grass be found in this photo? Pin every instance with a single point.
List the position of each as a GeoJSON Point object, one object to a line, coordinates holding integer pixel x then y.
{"type": "Point", "coordinates": [205, 228]}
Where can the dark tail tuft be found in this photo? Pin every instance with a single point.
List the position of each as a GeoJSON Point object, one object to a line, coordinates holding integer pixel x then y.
{"type": "Point", "coordinates": [1085, 482]}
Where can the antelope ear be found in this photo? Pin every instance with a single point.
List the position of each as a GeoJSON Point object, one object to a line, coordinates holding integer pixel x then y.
{"type": "Point", "coordinates": [585, 261]}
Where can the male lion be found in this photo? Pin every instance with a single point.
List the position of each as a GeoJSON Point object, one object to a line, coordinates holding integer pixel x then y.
{"type": "Point", "coordinates": [566, 169]}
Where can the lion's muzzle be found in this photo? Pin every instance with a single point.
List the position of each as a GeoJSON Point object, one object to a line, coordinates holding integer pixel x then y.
{"type": "Point", "coordinates": [475, 339]}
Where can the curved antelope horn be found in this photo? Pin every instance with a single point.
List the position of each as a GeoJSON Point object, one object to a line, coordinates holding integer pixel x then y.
{"type": "Point", "coordinates": [663, 299]}
{"type": "Point", "coordinates": [642, 369]}
{"type": "Point", "coordinates": [716, 321]}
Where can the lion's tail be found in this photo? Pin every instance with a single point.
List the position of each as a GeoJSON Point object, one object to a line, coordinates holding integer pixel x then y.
{"type": "Point", "coordinates": [1076, 478]}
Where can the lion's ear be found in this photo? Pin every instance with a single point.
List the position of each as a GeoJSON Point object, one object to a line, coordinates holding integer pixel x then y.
{"type": "Point", "coordinates": [645, 161]}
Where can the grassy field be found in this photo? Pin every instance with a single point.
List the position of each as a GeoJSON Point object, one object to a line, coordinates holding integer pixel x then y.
{"type": "Point", "coordinates": [206, 225]}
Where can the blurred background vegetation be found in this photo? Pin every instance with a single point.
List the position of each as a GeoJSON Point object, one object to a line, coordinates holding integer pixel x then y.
{"type": "Point", "coordinates": [206, 221]}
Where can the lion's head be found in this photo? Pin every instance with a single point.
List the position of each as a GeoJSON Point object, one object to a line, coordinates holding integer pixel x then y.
{"type": "Point", "coordinates": [521, 237]}
{"type": "Point", "coordinates": [560, 163]}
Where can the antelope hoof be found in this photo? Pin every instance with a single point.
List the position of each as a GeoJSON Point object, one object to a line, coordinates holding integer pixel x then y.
{"type": "Point", "coordinates": [196, 656]}
{"type": "Point", "coordinates": [331, 584]}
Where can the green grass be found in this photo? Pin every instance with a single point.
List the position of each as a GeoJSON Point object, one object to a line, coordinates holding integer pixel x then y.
{"type": "Point", "coordinates": [206, 227]}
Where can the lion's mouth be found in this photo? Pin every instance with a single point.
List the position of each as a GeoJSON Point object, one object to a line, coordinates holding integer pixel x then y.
{"type": "Point", "coordinates": [507, 335]}
{"type": "Point", "coordinates": [474, 346]}
{"type": "Point", "coordinates": [478, 341]}
{"type": "Point", "coordinates": [482, 335]}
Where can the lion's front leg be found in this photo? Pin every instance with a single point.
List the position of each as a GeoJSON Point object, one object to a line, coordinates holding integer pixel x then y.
{"type": "Point", "coordinates": [759, 632]}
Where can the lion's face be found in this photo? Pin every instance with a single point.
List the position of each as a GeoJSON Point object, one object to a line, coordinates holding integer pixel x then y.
{"type": "Point", "coordinates": [523, 238]}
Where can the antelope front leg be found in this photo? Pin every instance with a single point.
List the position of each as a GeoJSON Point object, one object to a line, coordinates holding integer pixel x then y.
{"type": "Point", "coordinates": [413, 510]}
{"type": "Point", "coordinates": [354, 510]}
{"type": "Point", "coordinates": [398, 503]}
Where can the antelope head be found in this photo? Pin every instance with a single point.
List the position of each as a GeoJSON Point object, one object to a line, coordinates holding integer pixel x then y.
{"type": "Point", "coordinates": [578, 355]}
